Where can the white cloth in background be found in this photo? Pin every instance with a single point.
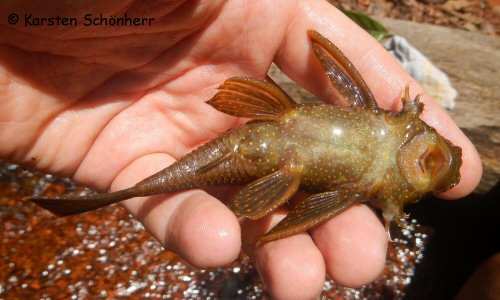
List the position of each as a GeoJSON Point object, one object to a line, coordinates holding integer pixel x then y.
{"type": "Point", "coordinates": [434, 81]}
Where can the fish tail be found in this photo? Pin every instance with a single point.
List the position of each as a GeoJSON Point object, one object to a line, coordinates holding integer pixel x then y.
{"type": "Point", "coordinates": [66, 205]}
{"type": "Point", "coordinates": [209, 165]}
{"type": "Point", "coordinates": [212, 164]}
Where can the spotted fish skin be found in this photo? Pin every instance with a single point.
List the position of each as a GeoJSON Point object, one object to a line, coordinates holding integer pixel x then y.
{"type": "Point", "coordinates": [342, 155]}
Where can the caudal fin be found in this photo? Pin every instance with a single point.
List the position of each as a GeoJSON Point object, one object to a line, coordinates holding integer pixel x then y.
{"type": "Point", "coordinates": [66, 205]}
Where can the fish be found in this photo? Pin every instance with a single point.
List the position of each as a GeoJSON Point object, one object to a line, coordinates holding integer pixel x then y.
{"type": "Point", "coordinates": [341, 156]}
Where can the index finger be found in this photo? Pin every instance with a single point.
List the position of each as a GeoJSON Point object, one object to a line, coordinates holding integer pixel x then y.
{"type": "Point", "coordinates": [382, 73]}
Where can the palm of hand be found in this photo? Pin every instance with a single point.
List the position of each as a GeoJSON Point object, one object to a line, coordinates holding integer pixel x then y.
{"type": "Point", "coordinates": [147, 96]}
{"type": "Point", "coordinates": [129, 105]}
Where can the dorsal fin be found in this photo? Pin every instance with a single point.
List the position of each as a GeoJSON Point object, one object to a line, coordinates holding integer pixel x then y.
{"type": "Point", "coordinates": [251, 98]}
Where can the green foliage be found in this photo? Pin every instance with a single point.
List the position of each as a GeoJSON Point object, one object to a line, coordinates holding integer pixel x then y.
{"type": "Point", "coordinates": [377, 30]}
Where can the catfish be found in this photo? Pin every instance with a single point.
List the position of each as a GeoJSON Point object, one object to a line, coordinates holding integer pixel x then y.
{"type": "Point", "coordinates": [342, 156]}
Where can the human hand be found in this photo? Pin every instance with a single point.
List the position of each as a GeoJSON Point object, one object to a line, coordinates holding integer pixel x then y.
{"type": "Point", "coordinates": [111, 106]}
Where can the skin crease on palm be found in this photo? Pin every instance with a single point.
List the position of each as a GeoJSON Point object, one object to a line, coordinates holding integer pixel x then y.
{"type": "Point", "coordinates": [109, 107]}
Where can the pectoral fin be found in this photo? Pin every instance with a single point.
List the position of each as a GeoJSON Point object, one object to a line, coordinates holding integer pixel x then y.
{"type": "Point", "coordinates": [312, 211]}
{"type": "Point", "coordinates": [342, 73]}
{"type": "Point", "coordinates": [251, 98]}
{"type": "Point", "coordinates": [266, 194]}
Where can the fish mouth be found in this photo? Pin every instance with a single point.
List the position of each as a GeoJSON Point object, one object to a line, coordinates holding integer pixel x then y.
{"type": "Point", "coordinates": [452, 177]}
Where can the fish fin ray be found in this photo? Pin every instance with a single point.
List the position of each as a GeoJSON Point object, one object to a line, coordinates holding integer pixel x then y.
{"type": "Point", "coordinates": [344, 77]}
{"type": "Point", "coordinates": [264, 195]}
{"type": "Point", "coordinates": [251, 98]}
{"type": "Point", "coordinates": [312, 211]}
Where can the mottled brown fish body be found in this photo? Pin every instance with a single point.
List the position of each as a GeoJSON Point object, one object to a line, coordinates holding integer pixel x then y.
{"type": "Point", "coordinates": [333, 145]}
{"type": "Point", "coordinates": [344, 155]}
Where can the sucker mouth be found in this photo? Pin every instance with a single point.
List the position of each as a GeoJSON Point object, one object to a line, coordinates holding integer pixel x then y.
{"type": "Point", "coordinates": [453, 173]}
{"type": "Point", "coordinates": [438, 161]}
